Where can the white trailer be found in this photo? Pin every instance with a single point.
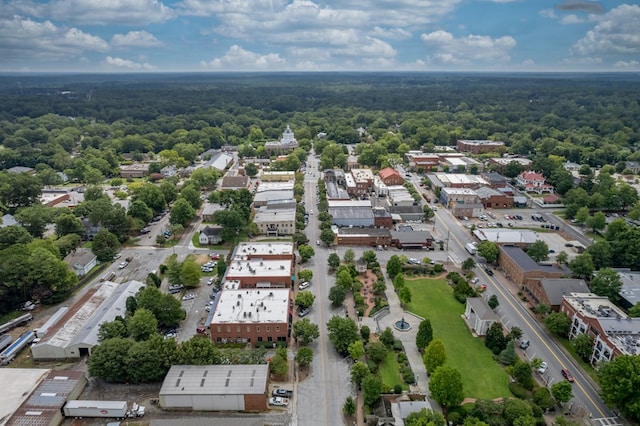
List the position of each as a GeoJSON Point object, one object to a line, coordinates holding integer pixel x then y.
{"type": "Point", "coordinates": [471, 248]}
{"type": "Point", "coordinates": [53, 320]}
{"type": "Point", "coordinates": [5, 340]}
{"type": "Point", "coordinates": [81, 408]}
{"type": "Point", "coordinates": [22, 319]}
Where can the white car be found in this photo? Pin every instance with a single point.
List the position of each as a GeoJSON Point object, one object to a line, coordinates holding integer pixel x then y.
{"type": "Point", "coordinates": [189, 296]}
{"type": "Point", "coordinates": [304, 285]}
{"type": "Point", "coordinates": [123, 265]}
{"type": "Point", "coordinates": [311, 212]}
{"type": "Point", "coordinates": [543, 367]}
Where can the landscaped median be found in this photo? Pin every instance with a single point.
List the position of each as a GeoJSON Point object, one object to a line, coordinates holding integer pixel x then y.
{"type": "Point", "coordinates": [483, 378]}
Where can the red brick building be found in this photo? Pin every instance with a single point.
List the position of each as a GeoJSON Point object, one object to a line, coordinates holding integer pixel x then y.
{"type": "Point", "coordinates": [390, 177]}
{"type": "Point", "coordinates": [522, 269]}
{"type": "Point", "coordinates": [479, 146]}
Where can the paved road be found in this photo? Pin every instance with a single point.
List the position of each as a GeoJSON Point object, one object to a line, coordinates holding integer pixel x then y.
{"type": "Point", "coordinates": [321, 396]}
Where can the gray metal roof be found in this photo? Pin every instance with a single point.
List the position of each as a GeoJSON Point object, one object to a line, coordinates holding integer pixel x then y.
{"type": "Point", "coordinates": [555, 288]}
{"type": "Point", "coordinates": [216, 380]}
{"type": "Point", "coordinates": [351, 213]}
{"type": "Point", "coordinates": [481, 308]}
{"type": "Point", "coordinates": [524, 261]}
{"type": "Point", "coordinates": [418, 237]}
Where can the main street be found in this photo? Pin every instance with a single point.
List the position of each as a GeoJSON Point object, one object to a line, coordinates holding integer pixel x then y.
{"type": "Point", "coordinates": [321, 396]}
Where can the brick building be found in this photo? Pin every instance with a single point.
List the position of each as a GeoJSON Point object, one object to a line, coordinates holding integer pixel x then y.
{"type": "Point", "coordinates": [364, 237]}
{"type": "Point", "coordinates": [491, 198]}
{"type": "Point", "coordinates": [479, 146]}
{"type": "Point", "coordinates": [391, 176]}
{"type": "Point", "coordinates": [523, 270]}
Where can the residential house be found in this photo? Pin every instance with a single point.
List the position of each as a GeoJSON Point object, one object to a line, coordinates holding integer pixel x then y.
{"type": "Point", "coordinates": [81, 261]}
{"type": "Point", "coordinates": [210, 235]}
{"type": "Point", "coordinates": [533, 182]}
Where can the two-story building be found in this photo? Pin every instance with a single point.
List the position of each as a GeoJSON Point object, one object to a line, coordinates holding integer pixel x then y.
{"type": "Point", "coordinates": [390, 176]}
{"type": "Point", "coordinates": [534, 183]}
{"type": "Point", "coordinates": [479, 146]}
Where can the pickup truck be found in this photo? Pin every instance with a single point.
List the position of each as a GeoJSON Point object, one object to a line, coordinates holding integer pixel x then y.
{"type": "Point", "coordinates": [278, 401]}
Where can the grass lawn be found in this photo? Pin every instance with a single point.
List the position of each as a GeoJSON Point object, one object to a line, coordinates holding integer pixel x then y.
{"type": "Point", "coordinates": [483, 377]}
{"type": "Point", "coordinates": [390, 372]}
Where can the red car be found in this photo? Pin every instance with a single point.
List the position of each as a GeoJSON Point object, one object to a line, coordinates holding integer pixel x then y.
{"type": "Point", "coordinates": [214, 256]}
{"type": "Point", "coordinates": [567, 375]}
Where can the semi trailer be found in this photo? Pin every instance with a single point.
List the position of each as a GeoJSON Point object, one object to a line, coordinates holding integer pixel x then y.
{"type": "Point", "coordinates": [108, 409]}
{"type": "Point", "coordinates": [22, 319]}
{"type": "Point", "coordinates": [14, 349]}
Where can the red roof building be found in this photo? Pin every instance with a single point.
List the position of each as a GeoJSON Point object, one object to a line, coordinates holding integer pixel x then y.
{"type": "Point", "coordinates": [390, 176]}
{"type": "Point", "coordinates": [533, 182]}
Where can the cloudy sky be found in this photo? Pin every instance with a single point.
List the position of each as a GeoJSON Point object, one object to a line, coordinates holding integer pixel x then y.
{"type": "Point", "coordinates": [319, 35]}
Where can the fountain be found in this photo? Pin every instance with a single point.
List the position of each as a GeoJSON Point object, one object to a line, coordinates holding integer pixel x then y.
{"type": "Point", "coordinates": [402, 325]}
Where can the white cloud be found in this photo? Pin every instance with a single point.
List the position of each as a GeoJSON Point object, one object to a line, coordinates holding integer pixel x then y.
{"type": "Point", "coordinates": [587, 60]}
{"type": "Point", "coordinates": [392, 33]}
{"type": "Point", "coordinates": [450, 50]}
{"type": "Point", "coordinates": [239, 59]}
{"type": "Point", "coordinates": [615, 33]}
{"type": "Point", "coordinates": [627, 65]}
{"type": "Point", "coordinates": [23, 38]}
{"type": "Point", "coordinates": [98, 12]}
{"type": "Point", "coordinates": [135, 39]}
{"type": "Point", "coordinates": [548, 13]}
{"type": "Point", "coordinates": [128, 65]}
{"type": "Point", "coordinates": [571, 19]}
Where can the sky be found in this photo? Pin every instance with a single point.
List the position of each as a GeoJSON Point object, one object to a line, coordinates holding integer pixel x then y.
{"type": "Point", "coordinates": [318, 35]}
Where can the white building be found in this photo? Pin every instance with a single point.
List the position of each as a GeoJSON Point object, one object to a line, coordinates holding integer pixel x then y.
{"type": "Point", "coordinates": [275, 222]}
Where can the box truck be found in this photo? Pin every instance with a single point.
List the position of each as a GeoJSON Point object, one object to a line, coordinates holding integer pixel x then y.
{"type": "Point", "coordinates": [471, 248]}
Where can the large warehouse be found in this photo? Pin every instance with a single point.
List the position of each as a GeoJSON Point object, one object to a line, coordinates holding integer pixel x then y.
{"type": "Point", "coordinates": [216, 388]}
{"type": "Point", "coordinates": [77, 332]}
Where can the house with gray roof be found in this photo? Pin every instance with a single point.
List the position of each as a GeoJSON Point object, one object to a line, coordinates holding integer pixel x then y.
{"type": "Point", "coordinates": [81, 261]}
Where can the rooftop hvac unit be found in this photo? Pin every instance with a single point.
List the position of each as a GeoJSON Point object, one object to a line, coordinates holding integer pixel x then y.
{"type": "Point", "coordinates": [249, 314]}
{"type": "Point", "coordinates": [238, 303]}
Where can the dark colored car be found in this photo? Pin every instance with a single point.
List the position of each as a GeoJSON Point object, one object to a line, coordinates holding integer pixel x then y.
{"type": "Point", "coordinates": [488, 271]}
{"type": "Point", "coordinates": [567, 375]}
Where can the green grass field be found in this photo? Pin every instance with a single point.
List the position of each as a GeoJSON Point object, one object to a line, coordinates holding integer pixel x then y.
{"type": "Point", "coordinates": [483, 377]}
{"type": "Point", "coordinates": [389, 371]}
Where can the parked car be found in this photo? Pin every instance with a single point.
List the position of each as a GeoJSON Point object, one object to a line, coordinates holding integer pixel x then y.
{"type": "Point", "coordinates": [304, 312]}
{"type": "Point", "coordinates": [278, 401]}
{"type": "Point", "coordinates": [145, 230]}
{"type": "Point", "coordinates": [117, 256]}
{"type": "Point", "coordinates": [524, 344]}
{"type": "Point", "coordinates": [285, 393]}
{"type": "Point", "coordinates": [414, 261]}
{"type": "Point", "coordinates": [210, 281]}
{"type": "Point", "coordinates": [215, 256]}
{"type": "Point", "coordinates": [175, 288]}
{"type": "Point", "coordinates": [567, 375]}
{"type": "Point", "coordinates": [304, 285]}
{"type": "Point", "coordinates": [189, 296]}
{"type": "Point", "coordinates": [123, 264]}
{"type": "Point", "coordinates": [543, 367]}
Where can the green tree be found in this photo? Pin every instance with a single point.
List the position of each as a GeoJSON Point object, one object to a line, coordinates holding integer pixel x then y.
{"type": "Point", "coordinates": [190, 274]}
{"type": "Point", "coordinates": [558, 323]}
{"type": "Point", "coordinates": [370, 257]}
{"type": "Point", "coordinates": [304, 356]}
{"type": "Point", "coordinates": [166, 308]}
{"type": "Point", "coordinates": [67, 223]}
{"type": "Point", "coordinates": [434, 356]}
{"type": "Point", "coordinates": [35, 218]}
{"type": "Point", "coordinates": [394, 266]}
{"type": "Point", "coordinates": [562, 391]}
{"type": "Point", "coordinates": [198, 351]}
{"type": "Point", "coordinates": [152, 196]}
{"type": "Point", "coordinates": [145, 362]}
{"type": "Point", "coordinates": [349, 408]}
{"type": "Point", "coordinates": [139, 210]}
{"type": "Point", "coordinates": [342, 332]}
{"type": "Point", "coordinates": [424, 336]}
{"type": "Point", "coordinates": [468, 264]}
{"type": "Point", "coordinates": [376, 352]}
{"type": "Point", "coordinates": [543, 399]}
{"type": "Point", "coordinates": [508, 354]}
{"type": "Point", "coordinates": [337, 294]}
{"type": "Point", "coordinates": [206, 177]}
{"type": "Point", "coordinates": [538, 251]}
{"type": "Point", "coordinates": [334, 260]}
{"type": "Point", "coordinates": [169, 193]}
{"type": "Point", "coordinates": [305, 274]}
{"type": "Point", "coordinates": [446, 387]}
{"type": "Point", "coordinates": [356, 350]}
{"type": "Point", "coordinates": [495, 339]}
{"type": "Point", "coordinates": [113, 329]}
{"type": "Point", "coordinates": [607, 283]}
{"type": "Point", "coordinates": [619, 382]}
{"type": "Point", "coordinates": [582, 215]}
{"type": "Point", "coordinates": [349, 256]}
{"type": "Point", "coordinates": [597, 221]}
{"type": "Point", "coordinates": [304, 299]}
{"type": "Point", "coordinates": [279, 365]}
{"type": "Point", "coordinates": [105, 245]}
{"type": "Point", "coordinates": [181, 212]}
{"type": "Point", "coordinates": [250, 169]}
{"type": "Point", "coordinates": [582, 266]}
{"type": "Point", "coordinates": [359, 370]}
{"type": "Point", "coordinates": [493, 301]}
{"type": "Point", "coordinates": [489, 250]}
{"type": "Point", "coordinates": [583, 344]}
{"type": "Point", "coordinates": [142, 324]}
{"type": "Point", "coordinates": [562, 258]}
{"type": "Point", "coordinates": [515, 409]}
{"type": "Point", "coordinates": [522, 374]}
{"type": "Point", "coordinates": [305, 332]}
{"type": "Point", "coordinates": [108, 360]}
{"type": "Point", "coordinates": [327, 236]}
{"type": "Point", "coordinates": [371, 388]}
{"type": "Point", "coordinates": [14, 234]}
{"type": "Point", "coordinates": [192, 195]}
{"type": "Point", "coordinates": [404, 295]}
{"type": "Point", "coordinates": [634, 311]}
{"type": "Point", "coordinates": [425, 417]}
{"type": "Point", "coordinates": [306, 252]}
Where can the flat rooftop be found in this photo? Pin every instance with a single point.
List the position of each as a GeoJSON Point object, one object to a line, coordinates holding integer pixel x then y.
{"type": "Point", "coordinates": [256, 249]}
{"type": "Point", "coordinates": [630, 290]}
{"type": "Point", "coordinates": [361, 175]}
{"type": "Point", "coordinates": [276, 194]}
{"type": "Point", "coordinates": [506, 236]}
{"type": "Point", "coordinates": [252, 306]}
{"type": "Point", "coordinates": [266, 186]}
{"type": "Point", "coordinates": [258, 268]}
{"type": "Point", "coordinates": [216, 380]}
{"type": "Point", "coordinates": [349, 203]}
{"type": "Point", "coordinates": [458, 191]}
{"type": "Point", "coordinates": [266, 215]}
{"type": "Point", "coordinates": [593, 306]}
{"type": "Point", "coordinates": [481, 142]}
{"type": "Point", "coordinates": [22, 381]}
{"type": "Point", "coordinates": [460, 179]}
{"type": "Point", "coordinates": [505, 160]}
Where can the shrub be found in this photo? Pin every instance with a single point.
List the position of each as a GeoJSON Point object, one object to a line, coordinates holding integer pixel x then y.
{"type": "Point", "coordinates": [401, 358]}
{"type": "Point", "coordinates": [397, 346]}
{"type": "Point", "coordinates": [462, 298]}
{"type": "Point", "coordinates": [373, 366]}
{"type": "Point", "coordinates": [397, 389]}
{"type": "Point", "coordinates": [518, 390]}
{"type": "Point", "coordinates": [408, 376]}
{"type": "Point", "coordinates": [365, 332]}
{"type": "Point", "coordinates": [454, 418]}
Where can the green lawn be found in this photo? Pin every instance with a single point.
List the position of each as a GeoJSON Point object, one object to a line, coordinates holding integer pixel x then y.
{"type": "Point", "coordinates": [390, 372]}
{"type": "Point", "coordinates": [483, 377]}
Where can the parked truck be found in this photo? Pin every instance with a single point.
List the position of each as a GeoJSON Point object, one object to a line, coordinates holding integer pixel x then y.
{"type": "Point", "coordinates": [5, 340]}
{"type": "Point", "coordinates": [107, 409]}
{"type": "Point", "coordinates": [14, 349]}
{"type": "Point", "coordinates": [471, 248]}
{"type": "Point", "coordinates": [278, 401]}
{"type": "Point", "coordinates": [22, 319]}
